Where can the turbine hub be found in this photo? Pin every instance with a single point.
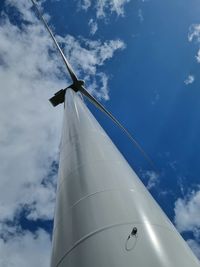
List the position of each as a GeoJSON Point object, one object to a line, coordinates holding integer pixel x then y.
{"type": "Point", "coordinates": [79, 83]}
{"type": "Point", "coordinates": [59, 97]}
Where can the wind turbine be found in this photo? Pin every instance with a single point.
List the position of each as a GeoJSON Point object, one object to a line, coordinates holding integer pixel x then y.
{"type": "Point", "coordinates": [104, 215]}
{"type": "Point", "coordinates": [78, 86]}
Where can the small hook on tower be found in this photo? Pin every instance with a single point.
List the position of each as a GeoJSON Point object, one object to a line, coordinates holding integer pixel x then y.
{"type": "Point", "coordinates": [132, 239]}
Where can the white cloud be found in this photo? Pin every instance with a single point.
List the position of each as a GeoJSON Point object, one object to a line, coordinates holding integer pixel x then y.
{"type": "Point", "coordinates": [152, 177]}
{"type": "Point", "coordinates": [190, 79]}
{"type": "Point", "coordinates": [140, 15]}
{"type": "Point", "coordinates": [187, 212]}
{"type": "Point", "coordinates": [21, 248]}
{"type": "Point", "coordinates": [29, 126]}
{"type": "Point", "coordinates": [103, 81]}
{"type": "Point", "coordinates": [93, 26]}
{"type": "Point", "coordinates": [86, 56]}
{"type": "Point", "coordinates": [195, 247]}
{"type": "Point", "coordinates": [89, 54]}
{"type": "Point", "coordinates": [116, 6]}
{"type": "Point", "coordinates": [85, 4]}
{"type": "Point", "coordinates": [43, 208]}
{"type": "Point", "coordinates": [30, 73]}
{"type": "Point", "coordinates": [194, 34]}
{"type": "Point", "coordinates": [187, 218]}
{"type": "Point", "coordinates": [104, 7]}
{"type": "Point", "coordinates": [24, 7]}
{"type": "Point", "coordinates": [198, 56]}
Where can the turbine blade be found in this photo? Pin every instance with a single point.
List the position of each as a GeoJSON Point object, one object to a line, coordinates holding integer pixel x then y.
{"type": "Point", "coordinates": [69, 68]}
{"type": "Point", "coordinates": [104, 110]}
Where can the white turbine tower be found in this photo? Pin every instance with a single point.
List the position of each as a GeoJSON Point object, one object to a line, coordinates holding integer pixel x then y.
{"type": "Point", "coordinates": [104, 215]}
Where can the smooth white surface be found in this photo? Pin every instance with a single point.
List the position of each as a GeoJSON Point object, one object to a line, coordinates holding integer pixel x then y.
{"type": "Point", "coordinates": [99, 201]}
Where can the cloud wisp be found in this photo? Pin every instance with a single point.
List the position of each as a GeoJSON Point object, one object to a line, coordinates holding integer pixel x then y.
{"type": "Point", "coordinates": [104, 7]}
{"type": "Point", "coordinates": [151, 177]}
{"type": "Point", "coordinates": [93, 26]}
{"type": "Point", "coordinates": [190, 79]}
{"type": "Point", "coordinates": [194, 35]}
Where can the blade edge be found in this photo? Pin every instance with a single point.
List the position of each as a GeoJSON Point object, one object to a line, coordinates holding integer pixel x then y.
{"type": "Point", "coordinates": [69, 67]}
{"type": "Point", "coordinates": [104, 110]}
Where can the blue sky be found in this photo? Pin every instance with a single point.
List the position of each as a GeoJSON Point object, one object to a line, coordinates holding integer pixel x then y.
{"type": "Point", "coordinates": [141, 60]}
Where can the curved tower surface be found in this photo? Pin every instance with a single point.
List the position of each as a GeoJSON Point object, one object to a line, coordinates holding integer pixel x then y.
{"type": "Point", "coordinates": [105, 217]}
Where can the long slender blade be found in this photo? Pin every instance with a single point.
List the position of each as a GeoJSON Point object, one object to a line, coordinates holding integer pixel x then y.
{"type": "Point", "coordinates": [69, 68]}
{"type": "Point", "coordinates": [103, 109]}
